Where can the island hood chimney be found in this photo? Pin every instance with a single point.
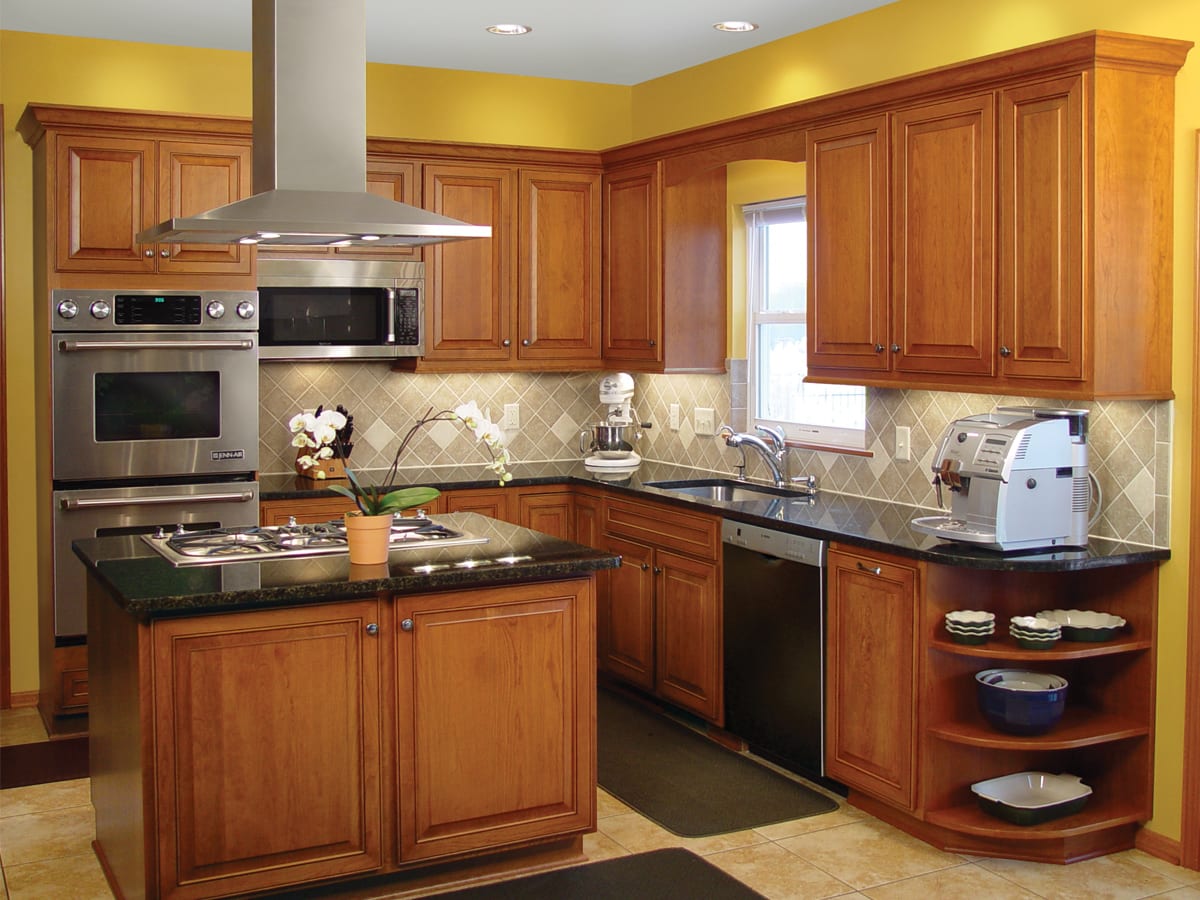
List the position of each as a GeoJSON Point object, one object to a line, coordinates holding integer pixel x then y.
{"type": "Point", "coordinates": [310, 156]}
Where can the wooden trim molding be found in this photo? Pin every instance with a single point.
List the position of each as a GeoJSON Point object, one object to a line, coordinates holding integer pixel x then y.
{"type": "Point", "coordinates": [5, 632]}
{"type": "Point", "coordinates": [1190, 843]}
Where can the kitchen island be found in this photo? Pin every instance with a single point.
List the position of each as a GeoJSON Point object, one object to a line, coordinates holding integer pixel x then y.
{"type": "Point", "coordinates": [256, 726]}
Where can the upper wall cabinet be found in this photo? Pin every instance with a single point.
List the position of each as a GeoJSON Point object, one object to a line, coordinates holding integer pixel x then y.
{"type": "Point", "coordinates": [101, 178]}
{"type": "Point", "coordinates": [1010, 234]}
{"type": "Point", "coordinates": [664, 294]}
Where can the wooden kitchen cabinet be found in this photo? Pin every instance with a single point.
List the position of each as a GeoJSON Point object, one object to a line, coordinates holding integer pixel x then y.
{"type": "Point", "coordinates": [528, 297]}
{"type": "Point", "coordinates": [548, 510]}
{"type": "Point", "coordinates": [495, 733]}
{"type": "Point", "coordinates": [659, 614]}
{"type": "Point", "coordinates": [299, 687]}
{"type": "Point", "coordinates": [1026, 244]}
{"type": "Point", "coordinates": [664, 257]}
{"type": "Point", "coordinates": [495, 502]}
{"type": "Point", "coordinates": [871, 673]}
{"type": "Point", "coordinates": [102, 177]}
{"type": "Point", "coordinates": [304, 510]}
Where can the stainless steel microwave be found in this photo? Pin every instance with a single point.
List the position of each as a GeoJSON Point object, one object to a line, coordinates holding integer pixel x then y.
{"type": "Point", "coordinates": [340, 309]}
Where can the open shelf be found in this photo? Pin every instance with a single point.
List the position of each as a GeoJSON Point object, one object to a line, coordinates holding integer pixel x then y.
{"type": "Point", "coordinates": [1097, 815]}
{"type": "Point", "coordinates": [1003, 647]}
{"type": "Point", "coordinates": [1079, 727]}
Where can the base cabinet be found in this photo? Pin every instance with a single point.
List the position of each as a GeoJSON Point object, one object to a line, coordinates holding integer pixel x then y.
{"type": "Point", "coordinates": [870, 697]}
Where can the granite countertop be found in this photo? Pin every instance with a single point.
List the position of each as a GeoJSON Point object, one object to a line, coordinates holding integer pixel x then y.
{"type": "Point", "coordinates": [873, 524]}
{"type": "Point", "coordinates": [147, 586]}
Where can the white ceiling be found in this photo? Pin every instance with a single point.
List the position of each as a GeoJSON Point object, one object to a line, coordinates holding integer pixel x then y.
{"type": "Point", "coordinates": [609, 41]}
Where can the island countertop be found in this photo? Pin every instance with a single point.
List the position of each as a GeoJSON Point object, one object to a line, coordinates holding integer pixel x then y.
{"type": "Point", "coordinates": [147, 586]}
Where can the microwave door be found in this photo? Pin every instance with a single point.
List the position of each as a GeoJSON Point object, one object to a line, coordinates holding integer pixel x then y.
{"type": "Point", "coordinates": [301, 323]}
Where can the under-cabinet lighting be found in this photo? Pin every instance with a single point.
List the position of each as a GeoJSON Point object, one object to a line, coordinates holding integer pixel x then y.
{"type": "Point", "coordinates": [733, 25]}
{"type": "Point", "coordinates": [510, 29]}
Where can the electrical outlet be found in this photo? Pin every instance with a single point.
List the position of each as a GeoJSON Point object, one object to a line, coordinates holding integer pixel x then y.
{"type": "Point", "coordinates": [512, 417]}
{"type": "Point", "coordinates": [706, 422]}
{"type": "Point", "coordinates": [903, 443]}
{"type": "Point", "coordinates": [673, 411]}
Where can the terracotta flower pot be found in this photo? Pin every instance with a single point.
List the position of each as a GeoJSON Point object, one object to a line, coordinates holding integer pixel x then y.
{"type": "Point", "coordinates": [368, 538]}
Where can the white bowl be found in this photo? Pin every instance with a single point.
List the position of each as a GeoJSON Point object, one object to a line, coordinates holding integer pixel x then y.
{"type": "Point", "coordinates": [1034, 624]}
{"type": "Point", "coordinates": [970, 617]}
{"type": "Point", "coordinates": [1084, 624]}
{"type": "Point", "coordinates": [1029, 798]}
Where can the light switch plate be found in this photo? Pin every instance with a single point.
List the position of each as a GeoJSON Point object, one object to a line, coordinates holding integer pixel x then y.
{"type": "Point", "coordinates": [706, 422]}
{"type": "Point", "coordinates": [903, 443]}
{"type": "Point", "coordinates": [673, 412]}
{"type": "Point", "coordinates": [512, 417]}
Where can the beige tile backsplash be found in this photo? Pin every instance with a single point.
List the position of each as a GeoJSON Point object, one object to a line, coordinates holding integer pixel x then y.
{"type": "Point", "coordinates": [1129, 451]}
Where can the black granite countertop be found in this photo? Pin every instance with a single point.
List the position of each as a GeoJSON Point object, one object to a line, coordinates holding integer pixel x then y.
{"type": "Point", "coordinates": [874, 524]}
{"type": "Point", "coordinates": [147, 586]}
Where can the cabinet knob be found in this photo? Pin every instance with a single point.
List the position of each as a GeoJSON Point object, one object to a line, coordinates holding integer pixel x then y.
{"type": "Point", "coordinates": [1004, 351]}
{"type": "Point", "coordinates": [372, 628]}
{"type": "Point", "coordinates": [506, 343]}
{"type": "Point", "coordinates": [895, 348]}
{"type": "Point", "coordinates": [406, 625]}
{"type": "Point", "coordinates": [874, 570]}
{"type": "Point", "coordinates": [147, 253]}
{"type": "Point", "coordinates": [653, 342]}
{"type": "Point", "coordinates": [525, 342]}
{"type": "Point", "coordinates": [645, 566]}
{"type": "Point", "coordinates": [164, 253]}
{"type": "Point", "coordinates": [657, 570]}
{"type": "Point", "coordinates": [879, 348]}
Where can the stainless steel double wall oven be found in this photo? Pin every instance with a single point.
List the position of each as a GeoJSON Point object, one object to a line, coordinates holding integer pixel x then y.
{"type": "Point", "coordinates": [155, 420]}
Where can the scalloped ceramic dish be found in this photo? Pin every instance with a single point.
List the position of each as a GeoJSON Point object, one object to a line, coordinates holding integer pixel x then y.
{"type": "Point", "coordinates": [970, 618]}
{"type": "Point", "coordinates": [1030, 798]}
{"type": "Point", "coordinates": [1084, 624]}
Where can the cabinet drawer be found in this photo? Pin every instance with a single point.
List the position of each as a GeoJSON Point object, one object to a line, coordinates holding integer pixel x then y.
{"type": "Point", "coordinates": [665, 526]}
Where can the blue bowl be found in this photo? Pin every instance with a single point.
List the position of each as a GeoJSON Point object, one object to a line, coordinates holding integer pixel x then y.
{"type": "Point", "coordinates": [1020, 702]}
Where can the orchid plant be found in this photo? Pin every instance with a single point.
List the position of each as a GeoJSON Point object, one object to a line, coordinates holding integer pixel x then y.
{"type": "Point", "coordinates": [319, 432]}
{"type": "Point", "coordinates": [374, 501]}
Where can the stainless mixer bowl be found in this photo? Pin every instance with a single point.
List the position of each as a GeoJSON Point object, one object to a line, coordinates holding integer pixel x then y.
{"type": "Point", "coordinates": [608, 441]}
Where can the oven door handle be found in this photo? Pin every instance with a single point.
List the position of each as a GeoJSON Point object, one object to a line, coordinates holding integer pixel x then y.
{"type": "Point", "coordinates": [104, 502]}
{"type": "Point", "coordinates": [70, 346]}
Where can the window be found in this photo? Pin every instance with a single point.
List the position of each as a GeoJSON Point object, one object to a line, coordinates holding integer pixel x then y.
{"type": "Point", "coordinates": [777, 330]}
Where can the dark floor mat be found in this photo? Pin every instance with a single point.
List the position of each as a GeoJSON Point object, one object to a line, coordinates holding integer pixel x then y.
{"type": "Point", "coordinates": [672, 874]}
{"type": "Point", "coordinates": [687, 783]}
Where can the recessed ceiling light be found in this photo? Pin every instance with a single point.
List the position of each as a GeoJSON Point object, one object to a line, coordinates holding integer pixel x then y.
{"type": "Point", "coordinates": [735, 26]}
{"type": "Point", "coordinates": [510, 29]}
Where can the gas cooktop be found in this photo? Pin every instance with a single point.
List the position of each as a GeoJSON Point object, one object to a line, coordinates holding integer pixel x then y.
{"type": "Point", "coordinates": [255, 543]}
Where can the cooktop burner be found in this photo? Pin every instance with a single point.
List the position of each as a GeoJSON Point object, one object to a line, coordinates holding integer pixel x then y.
{"type": "Point", "coordinates": [251, 543]}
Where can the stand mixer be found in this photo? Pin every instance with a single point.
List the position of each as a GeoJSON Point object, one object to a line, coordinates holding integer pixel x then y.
{"type": "Point", "coordinates": [610, 442]}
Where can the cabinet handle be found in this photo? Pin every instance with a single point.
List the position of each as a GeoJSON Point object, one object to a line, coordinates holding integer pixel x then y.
{"type": "Point", "coordinates": [874, 570]}
{"type": "Point", "coordinates": [1004, 351]}
{"type": "Point", "coordinates": [506, 343]}
{"type": "Point", "coordinates": [879, 348]}
{"type": "Point", "coordinates": [147, 253]}
{"type": "Point", "coordinates": [372, 628]}
{"type": "Point", "coordinates": [406, 625]}
{"type": "Point", "coordinates": [895, 348]}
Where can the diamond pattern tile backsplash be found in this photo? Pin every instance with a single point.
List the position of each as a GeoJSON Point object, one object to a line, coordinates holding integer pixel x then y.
{"type": "Point", "coordinates": [1129, 449]}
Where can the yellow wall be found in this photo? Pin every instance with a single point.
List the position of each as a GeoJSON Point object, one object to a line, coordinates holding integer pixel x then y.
{"type": "Point", "coordinates": [894, 40]}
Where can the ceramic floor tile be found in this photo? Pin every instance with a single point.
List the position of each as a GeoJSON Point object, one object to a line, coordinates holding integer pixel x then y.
{"type": "Point", "coordinates": [77, 876]}
{"type": "Point", "coordinates": [1161, 866]}
{"type": "Point", "coordinates": [777, 874]}
{"type": "Point", "coordinates": [1183, 893]}
{"type": "Point", "coordinates": [21, 726]}
{"type": "Point", "coordinates": [844, 816]}
{"type": "Point", "coordinates": [869, 853]}
{"type": "Point", "coordinates": [637, 834]}
{"type": "Point", "coordinates": [965, 882]}
{"type": "Point", "coordinates": [1104, 878]}
{"type": "Point", "coordinates": [42, 797]}
{"type": "Point", "coordinates": [608, 805]}
{"type": "Point", "coordinates": [46, 835]}
{"type": "Point", "coordinates": [600, 846]}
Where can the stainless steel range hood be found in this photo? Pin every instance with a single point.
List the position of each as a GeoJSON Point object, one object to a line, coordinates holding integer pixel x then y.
{"type": "Point", "coordinates": [310, 157]}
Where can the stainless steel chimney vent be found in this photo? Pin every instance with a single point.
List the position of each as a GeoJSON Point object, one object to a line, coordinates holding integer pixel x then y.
{"type": "Point", "coordinates": [310, 172]}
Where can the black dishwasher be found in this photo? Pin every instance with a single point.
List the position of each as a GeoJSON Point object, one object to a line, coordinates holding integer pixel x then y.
{"type": "Point", "coordinates": [774, 597]}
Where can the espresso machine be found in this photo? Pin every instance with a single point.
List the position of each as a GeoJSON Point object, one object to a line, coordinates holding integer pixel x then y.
{"type": "Point", "coordinates": [1017, 477]}
{"type": "Point", "coordinates": [608, 444]}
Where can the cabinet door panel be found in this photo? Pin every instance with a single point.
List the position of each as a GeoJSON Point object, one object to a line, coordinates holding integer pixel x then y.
{"type": "Point", "coordinates": [688, 645]}
{"type": "Point", "coordinates": [872, 670]}
{"type": "Point", "coordinates": [625, 615]}
{"type": "Point", "coordinates": [471, 283]}
{"type": "Point", "coordinates": [193, 178]}
{"type": "Point", "coordinates": [633, 256]}
{"type": "Point", "coordinates": [943, 160]}
{"type": "Point", "coordinates": [299, 687]}
{"type": "Point", "coordinates": [847, 245]}
{"type": "Point", "coordinates": [559, 309]}
{"type": "Point", "coordinates": [550, 512]}
{"type": "Point", "coordinates": [492, 502]}
{"type": "Point", "coordinates": [1041, 229]}
{"type": "Point", "coordinates": [393, 181]}
{"type": "Point", "coordinates": [104, 196]}
{"type": "Point", "coordinates": [494, 728]}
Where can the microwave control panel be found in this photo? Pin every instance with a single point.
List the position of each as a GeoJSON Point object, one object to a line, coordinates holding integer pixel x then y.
{"type": "Point", "coordinates": [408, 317]}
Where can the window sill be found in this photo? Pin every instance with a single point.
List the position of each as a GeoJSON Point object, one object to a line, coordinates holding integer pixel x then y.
{"type": "Point", "coordinates": [831, 448]}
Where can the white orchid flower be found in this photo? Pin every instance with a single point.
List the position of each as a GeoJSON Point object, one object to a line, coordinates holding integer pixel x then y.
{"type": "Point", "coordinates": [299, 422]}
{"type": "Point", "coordinates": [305, 462]}
{"type": "Point", "coordinates": [302, 440]}
{"type": "Point", "coordinates": [325, 453]}
{"type": "Point", "coordinates": [332, 418]}
{"type": "Point", "coordinates": [323, 434]}
{"type": "Point", "coordinates": [491, 435]}
{"type": "Point", "coordinates": [470, 413]}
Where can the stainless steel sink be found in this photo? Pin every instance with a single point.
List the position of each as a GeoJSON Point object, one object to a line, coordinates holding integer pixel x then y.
{"type": "Point", "coordinates": [726, 490]}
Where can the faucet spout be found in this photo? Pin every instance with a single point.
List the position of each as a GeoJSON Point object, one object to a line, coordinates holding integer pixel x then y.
{"type": "Point", "coordinates": [772, 456]}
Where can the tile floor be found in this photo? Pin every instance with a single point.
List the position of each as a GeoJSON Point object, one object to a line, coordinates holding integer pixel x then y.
{"type": "Point", "coordinates": [46, 830]}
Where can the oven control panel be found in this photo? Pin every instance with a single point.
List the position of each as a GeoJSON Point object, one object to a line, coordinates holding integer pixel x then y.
{"type": "Point", "coordinates": [87, 310]}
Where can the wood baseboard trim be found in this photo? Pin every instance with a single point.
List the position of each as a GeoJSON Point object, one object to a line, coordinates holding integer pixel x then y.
{"type": "Point", "coordinates": [1159, 845]}
{"type": "Point", "coordinates": [61, 760]}
{"type": "Point", "coordinates": [23, 699]}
